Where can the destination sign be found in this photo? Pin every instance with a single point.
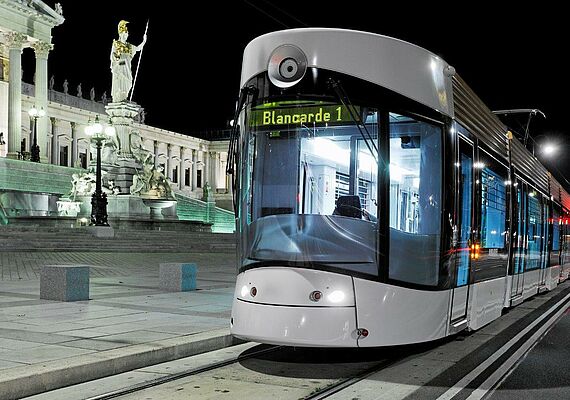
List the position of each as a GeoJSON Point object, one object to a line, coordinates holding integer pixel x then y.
{"type": "Point", "coordinates": [312, 116]}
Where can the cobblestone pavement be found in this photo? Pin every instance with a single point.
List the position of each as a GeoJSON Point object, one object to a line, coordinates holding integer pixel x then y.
{"type": "Point", "coordinates": [16, 266]}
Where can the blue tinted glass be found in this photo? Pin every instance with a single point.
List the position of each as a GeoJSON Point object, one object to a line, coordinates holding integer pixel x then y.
{"type": "Point", "coordinates": [534, 230]}
{"type": "Point", "coordinates": [493, 210]}
{"type": "Point", "coordinates": [466, 203]}
{"type": "Point", "coordinates": [556, 232]}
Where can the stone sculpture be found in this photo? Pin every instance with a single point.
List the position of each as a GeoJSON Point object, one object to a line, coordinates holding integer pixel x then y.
{"type": "Point", "coordinates": [122, 53]}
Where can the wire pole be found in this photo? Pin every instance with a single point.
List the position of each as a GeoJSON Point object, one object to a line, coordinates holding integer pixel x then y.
{"type": "Point", "coordinates": [139, 63]}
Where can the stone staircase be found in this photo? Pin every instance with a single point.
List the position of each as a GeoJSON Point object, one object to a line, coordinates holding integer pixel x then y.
{"type": "Point", "coordinates": [29, 177]}
{"type": "Point", "coordinates": [189, 209]}
{"type": "Point", "coordinates": [13, 238]}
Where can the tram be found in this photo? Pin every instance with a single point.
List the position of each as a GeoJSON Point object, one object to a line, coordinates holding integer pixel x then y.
{"type": "Point", "coordinates": [378, 200]}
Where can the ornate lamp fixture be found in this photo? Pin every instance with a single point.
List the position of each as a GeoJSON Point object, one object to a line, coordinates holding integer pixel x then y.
{"type": "Point", "coordinates": [35, 150]}
{"type": "Point", "coordinates": [98, 134]}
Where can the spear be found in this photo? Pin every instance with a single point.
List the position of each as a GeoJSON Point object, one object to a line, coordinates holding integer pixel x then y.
{"type": "Point", "coordinates": [139, 63]}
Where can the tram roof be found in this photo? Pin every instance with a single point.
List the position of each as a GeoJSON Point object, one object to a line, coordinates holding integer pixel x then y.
{"type": "Point", "coordinates": [402, 67]}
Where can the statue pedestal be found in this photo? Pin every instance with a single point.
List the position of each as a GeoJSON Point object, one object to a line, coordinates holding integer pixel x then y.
{"type": "Point", "coordinates": [122, 174]}
{"type": "Point", "coordinates": [119, 206]}
{"type": "Point", "coordinates": [122, 116]}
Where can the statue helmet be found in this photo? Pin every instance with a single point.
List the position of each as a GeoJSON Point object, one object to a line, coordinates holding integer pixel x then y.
{"type": "Point", "coordinates": [123, 26]}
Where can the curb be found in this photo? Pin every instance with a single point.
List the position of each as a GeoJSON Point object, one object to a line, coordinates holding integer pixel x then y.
{"type": "Point", "coordinates": [34, 379]}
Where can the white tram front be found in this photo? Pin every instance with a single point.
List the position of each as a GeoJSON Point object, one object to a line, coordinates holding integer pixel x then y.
{"type": "Point", "coordinates": [377, 200]}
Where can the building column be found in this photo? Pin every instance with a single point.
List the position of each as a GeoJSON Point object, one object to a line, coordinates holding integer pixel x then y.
{"type": "Point", "coordinates": [205, 169]}
{"type": "Point", "coordinates": [74, 154]}
{"type": "Point", "coordinates": [168, 171]}
{"type": "Point", "coordinates": [155, 154]}
{"type": "Point", "coordinates": [41, 50]}
{"type": "Point", "coordinates": [214, 168]}
{"type": "Point", "coordinates": [30, 136]}
{"type": "Point", "coordinates": [54, 142]}
{"type": "Point", "coordinates": [181, 171]}
{"type": "Point", "coordinates": [194, 178]}
{"type": "Point", "coordinates": [14, 42]}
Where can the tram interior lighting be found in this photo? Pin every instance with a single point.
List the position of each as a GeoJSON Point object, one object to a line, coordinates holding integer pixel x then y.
{"type": "Point", "coordinates": [332, 151]}
{"type": "Point", "coordinates": [398, 173]}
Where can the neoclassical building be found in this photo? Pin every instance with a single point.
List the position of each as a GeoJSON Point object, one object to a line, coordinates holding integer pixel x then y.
{"type": "Point", "coordinates": [188, 162]}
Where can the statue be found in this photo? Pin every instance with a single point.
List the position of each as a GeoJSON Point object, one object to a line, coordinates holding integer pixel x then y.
{"type": "Point", "coordinates": [51, 82]}
{"type": "Point", "coordinates": [108, 151]}
{"type": "Point", "coordinates": [79, 93]}
{"type": "Point", "coordinates": [58, 8]}
{"type": "Point", "coordinates": [82, 185]}
{"type": "Point", "coordinates": [92, 94]}
{"type": "Point", "coordinates": [140, 154]}
{"type": "Point", "coordinates": [65, 86]}
{"type": "Point", "coordinates": [2, 145]}
{"type": "Point", "coordinates": [122, 53]}
{"type": "Point", "coordinates": [104, 98]}
{"type": "Point", "coordinates": [151, 182]}
{"type": "Point", "coordinates": [207, 193]}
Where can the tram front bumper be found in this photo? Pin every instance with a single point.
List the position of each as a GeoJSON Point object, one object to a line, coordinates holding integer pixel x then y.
{"type": "Point", "coordinates": [294, 326]}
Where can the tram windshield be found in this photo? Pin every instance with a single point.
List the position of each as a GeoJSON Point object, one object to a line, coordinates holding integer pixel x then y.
{"type": "Point", "coordinates": [309, 189]}
{"type": "Point", "coordinates": [309, 156]}
{"type": "Point", "coordinates": [309, 164]}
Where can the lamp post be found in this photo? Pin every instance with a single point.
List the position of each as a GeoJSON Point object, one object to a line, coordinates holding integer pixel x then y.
{"type": "Point", "coordinates": [35, 150]}
{"type": "Point", "coordinates": [98, 135]}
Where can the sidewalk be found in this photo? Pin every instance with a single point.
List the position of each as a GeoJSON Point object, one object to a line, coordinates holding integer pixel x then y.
{"type": "Point", "coordinates": [127, 323]}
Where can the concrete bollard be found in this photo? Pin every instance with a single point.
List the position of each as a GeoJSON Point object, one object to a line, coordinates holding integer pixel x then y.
{"type": "Point", "coordinates": [177, 277]}
{"type": "Point", "coordinates": [64, 282]}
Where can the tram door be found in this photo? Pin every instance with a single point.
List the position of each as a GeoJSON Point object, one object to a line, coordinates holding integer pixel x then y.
{"type": "Point", "coordinates": [520, 242]}
{"type": "Point", "coordinates": [464, 229]}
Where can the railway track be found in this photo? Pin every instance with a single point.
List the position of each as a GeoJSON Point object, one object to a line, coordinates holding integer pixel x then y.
{"type": "Point", "coordinates": [262, 364]}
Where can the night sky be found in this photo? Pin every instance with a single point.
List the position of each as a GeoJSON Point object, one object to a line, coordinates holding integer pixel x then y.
{"type": "Point", "coordinates": [511, 57]}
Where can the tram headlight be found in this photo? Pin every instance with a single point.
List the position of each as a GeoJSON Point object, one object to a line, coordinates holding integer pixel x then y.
{"type": "Point", "coordinates": [244, 291]}
{"type": "Point", "coordinates": [336, 296]}
{"type": "Point", "coordinates": [287, 66]}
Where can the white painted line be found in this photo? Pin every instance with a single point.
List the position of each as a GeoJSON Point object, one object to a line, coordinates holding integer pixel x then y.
{"type": "Point", "coordinates": [463, 382]}
{"type": "Point", "coordinates": [491, 381]}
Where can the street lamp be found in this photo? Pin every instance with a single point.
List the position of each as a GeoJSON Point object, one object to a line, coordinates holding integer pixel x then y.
{"type": "Point", "coordinates": [98, 135]}
{"type": "Point", "coordinates": [549, 149]}
{"type": "Point", "coordinates": [35, 150]}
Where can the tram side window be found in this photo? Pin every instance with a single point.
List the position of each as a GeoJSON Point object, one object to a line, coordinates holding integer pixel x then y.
{"type": "Point", "coordinates": [555, 254]}
{"type": "Point", "coordinates": [534, 231]}
{"type": "Point", "coordinates": [415, 200]}
{"type": "Point", "coordinates": [565, 238]}
{"type": "Point", "coordinates": [493, 210]}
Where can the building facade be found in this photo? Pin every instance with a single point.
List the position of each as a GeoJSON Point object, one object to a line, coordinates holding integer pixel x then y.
{"type": "Point", "coordinates": [188, 162]}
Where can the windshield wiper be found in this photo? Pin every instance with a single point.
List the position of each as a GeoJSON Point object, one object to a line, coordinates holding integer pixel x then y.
{"type": "Point", "coordinates": [343, 98]}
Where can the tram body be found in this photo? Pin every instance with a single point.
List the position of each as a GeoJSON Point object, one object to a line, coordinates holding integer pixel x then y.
{"type": "Point", "coordinates": [378, 200]}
